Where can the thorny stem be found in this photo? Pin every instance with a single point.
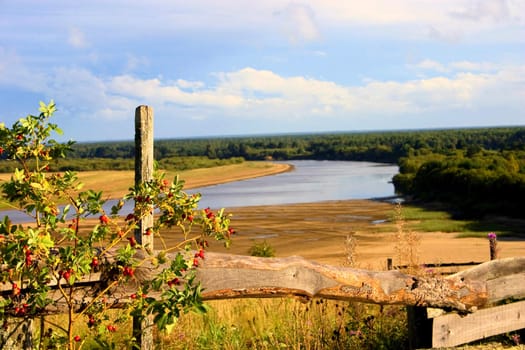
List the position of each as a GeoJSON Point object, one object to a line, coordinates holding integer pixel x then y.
{"type": "Point", "coordinates": [177, 247]}
{"type": "Point", "coordinates": [54, 325]}
{"type": "Point", "coordinates": [95, 299]}
{"type": "Point", "coordinates": [115, 241]}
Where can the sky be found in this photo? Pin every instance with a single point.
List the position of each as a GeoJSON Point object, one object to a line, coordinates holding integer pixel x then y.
{"type": "Point", "coordinates": [243, 67]}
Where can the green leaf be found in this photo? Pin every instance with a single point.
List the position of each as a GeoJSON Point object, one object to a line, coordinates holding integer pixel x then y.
{"type": "Point", "coordinates": [18, 175]}
{"type": "Point", "coordinates": [170, 327]}
{"type": "Point", "coordinates": [37, 185]}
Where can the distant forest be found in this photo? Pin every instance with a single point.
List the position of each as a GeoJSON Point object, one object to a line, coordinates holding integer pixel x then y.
{"type": "Point", "coordinates": [477, 171]}
{"type": "Point", "coordinates": [386, 147]}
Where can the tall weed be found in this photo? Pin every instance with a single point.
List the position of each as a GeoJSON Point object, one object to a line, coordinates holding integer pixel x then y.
{"type": "Point", "coordinates": [406, 243]}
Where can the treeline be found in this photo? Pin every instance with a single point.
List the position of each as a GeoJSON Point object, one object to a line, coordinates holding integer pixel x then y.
{"type": "Point", "coordinates": [472, 185]}
{"type": "Point", "coordinates": [476, 171]}
{"type": "Point", "coordinates": [367, 146]}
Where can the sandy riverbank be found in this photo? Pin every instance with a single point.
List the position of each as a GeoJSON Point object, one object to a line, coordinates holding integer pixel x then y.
{"type": "Point", "coordinates": [318, 231]}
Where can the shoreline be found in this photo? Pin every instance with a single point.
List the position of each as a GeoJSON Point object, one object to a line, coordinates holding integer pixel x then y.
{"type": "Point", "coordinates": [196, 178]}
{"type": "Point", "coordinates": [275, 169]}
{"type": "Point", "coordinates": [318, 231]}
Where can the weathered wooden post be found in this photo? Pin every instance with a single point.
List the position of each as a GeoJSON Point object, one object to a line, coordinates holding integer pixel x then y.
{"type": "Point", "coordinates": [143, 328]}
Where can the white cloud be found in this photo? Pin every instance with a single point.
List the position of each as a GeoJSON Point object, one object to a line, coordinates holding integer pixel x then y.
{"type": "Point", "coordinates": [298, 23]}
{"type": "Point", "coordinates": [260, 91]}
{"type": "Point", "coordinates": [77, 38]}
{"type": "Point", "coordinates": [446, 34]}
{"type": "Point", "coordinates": [432, 65]}
{"type": "Point", "coordinates": [497, 10]}
{"type": "Point", "coordinates": [259, 95]}
{"type": "Point", "coordinates": [193, 85]}
{"type": "Point", "coordinates": [458, 66]}
{"type": "Point", "coordinates": [134, 62]}
{"type": "Point", "coordinates": [14, 73]}
{"type": "Point", "coordinates": [474, 66]}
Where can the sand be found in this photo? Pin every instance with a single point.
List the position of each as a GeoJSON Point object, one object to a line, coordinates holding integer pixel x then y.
{"type": "Point", "coordinates": [318, 231]}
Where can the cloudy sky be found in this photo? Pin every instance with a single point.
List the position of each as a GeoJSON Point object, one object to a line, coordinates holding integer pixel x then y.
{"type": "Point", "coordinates": [237, 67]}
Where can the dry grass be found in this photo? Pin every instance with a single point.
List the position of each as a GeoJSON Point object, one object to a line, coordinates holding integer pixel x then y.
{"type": "Point", "coordinates": [115, 184]}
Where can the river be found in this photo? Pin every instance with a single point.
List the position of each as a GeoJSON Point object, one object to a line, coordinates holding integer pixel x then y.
{"type": "Point", "coordinates": [310, 181]}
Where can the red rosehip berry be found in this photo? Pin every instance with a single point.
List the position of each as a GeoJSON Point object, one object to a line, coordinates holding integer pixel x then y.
{"type": "Point", "coordinates": [77, 338]}
{"type": "Point", "coordinates": [66, 275]}
{"type": "Point", "coordinates": [174, 282]}
{"type": "Point", "coordinates": [19, 137]}
{"type": "Point", "coordinates": [104, 219]}
{"type": "Point", "coordinates": [15, 289]}
{"type": "Point", "coordinates": [94, 262]}
{"type": "Point", "coordinates": [200, 254]}
{"type": "Point", "coordinates": [132, 241]}
{"type": "Point", "coordinates": [195, 262]}
{"type": "Point", "coordinates": [148, 232]}
{"type": "Point", "coordinates": [1, 151]}
{"type": "Point", "coordinates": [111, 328]}
{"type": "Point", "coordinates": [128, 271]}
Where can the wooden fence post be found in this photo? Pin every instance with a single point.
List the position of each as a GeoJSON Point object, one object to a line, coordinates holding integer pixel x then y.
{"type": "Point", "coordinates": [419, 325]}
{"type": "Point", "coordinates": [143, 328]}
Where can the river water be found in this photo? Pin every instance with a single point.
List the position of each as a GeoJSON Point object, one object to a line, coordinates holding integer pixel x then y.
{"type": "Point", "coordinates": [310, 181]}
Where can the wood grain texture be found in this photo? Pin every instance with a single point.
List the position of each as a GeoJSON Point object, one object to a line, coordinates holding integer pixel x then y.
{"type": "Point", "coordinates": [225, 276]}
{"type": "Point", "coordinates": [230, 276]}
{"type": "Point", "coordinates": [504, 278]}
{"type": "Point", "coordinates": [453, 329]}
{"type": "Point", "coordinates": [142, 328]}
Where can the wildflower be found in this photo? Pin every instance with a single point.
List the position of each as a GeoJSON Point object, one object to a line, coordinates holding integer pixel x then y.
{"type": "Point", "coordinates": [493, 245]}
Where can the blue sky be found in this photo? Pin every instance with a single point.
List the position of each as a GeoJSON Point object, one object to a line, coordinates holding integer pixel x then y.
{"type": "Point", "coordinates": [237, 67]}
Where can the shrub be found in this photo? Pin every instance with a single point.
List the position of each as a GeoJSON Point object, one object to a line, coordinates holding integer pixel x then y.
{"type": "Point", "coordinates": [262, 249]}
{"type": "Point", "coordinates": [63, 247]}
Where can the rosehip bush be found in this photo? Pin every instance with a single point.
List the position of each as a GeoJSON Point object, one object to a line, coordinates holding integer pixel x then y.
{"type": "Point", "coordinates": [75, 235]}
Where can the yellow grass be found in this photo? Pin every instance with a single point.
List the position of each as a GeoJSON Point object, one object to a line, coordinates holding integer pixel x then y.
{"type": "Point", "coordinates": [115, 184]}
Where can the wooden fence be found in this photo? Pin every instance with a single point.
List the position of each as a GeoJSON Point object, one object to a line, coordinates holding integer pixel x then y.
{"type": "Point", "coordinates": [475, 300]}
